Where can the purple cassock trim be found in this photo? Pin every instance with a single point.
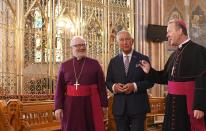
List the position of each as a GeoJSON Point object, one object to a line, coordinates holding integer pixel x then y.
{"type": "Point", "coordinates": [183, 88]}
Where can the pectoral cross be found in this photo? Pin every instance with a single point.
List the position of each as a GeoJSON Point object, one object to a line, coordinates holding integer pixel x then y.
{"type": "Point", "coordinates": [173, 69]}
{"type": "Point", "coordinates": [76, 84]}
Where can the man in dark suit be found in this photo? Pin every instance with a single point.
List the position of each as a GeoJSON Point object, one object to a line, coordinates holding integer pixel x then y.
{"type": "Point", "coordinates": [127, 81]}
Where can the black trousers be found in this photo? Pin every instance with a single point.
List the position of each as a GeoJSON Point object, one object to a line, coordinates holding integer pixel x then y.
{"type": "Point", "coordinates": [128, 122]}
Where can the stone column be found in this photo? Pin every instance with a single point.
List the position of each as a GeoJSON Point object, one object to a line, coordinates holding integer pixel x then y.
{"type": "Point", "coordinates": [19, 42]}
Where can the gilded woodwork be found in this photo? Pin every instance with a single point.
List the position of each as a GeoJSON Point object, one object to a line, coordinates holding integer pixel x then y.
{"type": "Point", "coordinates": [28, 97]}
{"type": "Point", "coordinates": [111, 121]}
{"type": "Point", "coordinates": [33, 47]}
{"type": "Point", "coordinates": [154, 119]}
{"type": "Point", "coordinates": [32, 115]}
{"type": "Point", "coordinates": [8, 60]}
{"type": "Point", "coordinates": [4, 117]}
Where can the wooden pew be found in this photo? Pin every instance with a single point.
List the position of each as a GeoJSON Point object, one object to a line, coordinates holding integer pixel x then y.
{"type": "Point", "coordinates": [36, 97]}
{"type": "Point", "coordinates": [111, 121]}
{"type": "Point", "coordinates": [4, 117]}
{"type": "Point", "coordinates": [27, 97]}
{"type": "Point", "coordinates": [154, 119]}
{"type": "Point", "coordinates": [30, 116]}
{"type": "Point", "coordinates": [39, 115]}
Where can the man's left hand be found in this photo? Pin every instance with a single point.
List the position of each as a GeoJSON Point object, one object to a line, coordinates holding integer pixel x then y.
{"type": "Point", "coordinates": [198, 114]}
{"type": "Point", "coordinates": [104, 110]}
{"type": "Point", "coordinates": [105, 114]}
{"type": "Point", "coordinates": [128, 88]}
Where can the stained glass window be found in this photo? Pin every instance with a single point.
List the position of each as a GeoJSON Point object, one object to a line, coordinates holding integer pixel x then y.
{"type": "Point", "coordinates": [38, 22]}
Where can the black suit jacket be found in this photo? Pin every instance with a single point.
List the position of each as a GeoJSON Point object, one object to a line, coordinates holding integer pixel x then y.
{"type": "Point", "coordinates": [132, 103]}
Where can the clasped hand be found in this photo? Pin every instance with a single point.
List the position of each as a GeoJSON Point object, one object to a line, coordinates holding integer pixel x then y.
{"type": "Point", "coordinates": [121, 88]}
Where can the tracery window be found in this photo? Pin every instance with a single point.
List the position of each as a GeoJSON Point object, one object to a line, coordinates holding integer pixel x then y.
{"type": "Point", "coordinates": [37, 26]}
{"type": "Point", "coordinates": [38, 23]}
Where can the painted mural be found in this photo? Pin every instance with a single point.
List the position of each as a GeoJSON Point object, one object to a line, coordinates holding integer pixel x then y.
{"type": "Point", "coordinates": [198, 26]}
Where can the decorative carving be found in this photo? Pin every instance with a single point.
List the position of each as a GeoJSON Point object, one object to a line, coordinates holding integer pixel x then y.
{"type": "Point", "coordinates": [29, 65]}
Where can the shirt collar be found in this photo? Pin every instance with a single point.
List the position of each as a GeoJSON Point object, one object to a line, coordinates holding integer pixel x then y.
{"type": "Point", "coordinates": [180, 46]}
{"type": "Point", "coordinates": [130, 54]}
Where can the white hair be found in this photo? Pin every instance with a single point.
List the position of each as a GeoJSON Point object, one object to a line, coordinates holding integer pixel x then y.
{"type": "Point", "coordinates": [122, 31]}
{"type": "Point", "coordinates": [76, 39]}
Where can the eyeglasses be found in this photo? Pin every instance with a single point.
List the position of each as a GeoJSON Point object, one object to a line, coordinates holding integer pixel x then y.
{"type": "Point", "coordinates": [124, 39]}
{"type": "Point", "coordinates": [79, 45]}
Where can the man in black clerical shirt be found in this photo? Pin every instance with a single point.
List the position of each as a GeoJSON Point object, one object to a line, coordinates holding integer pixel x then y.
{"type": "Point", "coordinates": [185, 75]}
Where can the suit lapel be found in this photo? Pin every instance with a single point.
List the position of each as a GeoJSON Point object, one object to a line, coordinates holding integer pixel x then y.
{"type": "Point", "coordinates": [132, 64]}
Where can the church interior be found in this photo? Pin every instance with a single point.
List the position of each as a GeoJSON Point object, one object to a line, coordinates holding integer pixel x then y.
{"type": "Point", "coordinates": [35, 37]}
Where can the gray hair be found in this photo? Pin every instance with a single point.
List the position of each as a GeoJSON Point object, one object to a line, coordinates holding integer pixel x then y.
{"type": "Point", "coordinates": [75, 38]}
{"type": "Point", "coordinates": [122, 31]}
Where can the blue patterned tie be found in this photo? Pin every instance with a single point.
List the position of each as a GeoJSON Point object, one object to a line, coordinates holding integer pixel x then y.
{"type": "Point", "coordinates": [126, 64]}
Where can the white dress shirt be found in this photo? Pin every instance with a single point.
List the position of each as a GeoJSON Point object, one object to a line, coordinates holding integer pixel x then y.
{"type": "Point", "coordinates": [124, 58]}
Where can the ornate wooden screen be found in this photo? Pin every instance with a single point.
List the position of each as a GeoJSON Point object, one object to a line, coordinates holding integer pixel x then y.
{"type": "Point", "coordinates": [8, 48]}
{"type": "Point", "coordinates": [33, 46]}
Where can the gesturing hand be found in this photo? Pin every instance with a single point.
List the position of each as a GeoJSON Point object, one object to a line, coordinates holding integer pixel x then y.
{"type": "Point", "coordinates": [145, 66]}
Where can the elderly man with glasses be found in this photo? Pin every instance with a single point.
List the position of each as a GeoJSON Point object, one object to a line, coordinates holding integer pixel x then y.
{"type": "Point", "coordinates": [80, 96]}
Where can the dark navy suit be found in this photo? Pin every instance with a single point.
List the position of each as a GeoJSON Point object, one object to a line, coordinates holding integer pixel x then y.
{"type": "Point", "coordinates": [134, 105]}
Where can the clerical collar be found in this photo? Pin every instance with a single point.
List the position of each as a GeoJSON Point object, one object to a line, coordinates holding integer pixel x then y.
{"type": "Point", "coordinates": [130, 54]}
{"type": "Point", "coordinates": [80, 58]}
{"type": "Point", "coordinates": [180, 46]}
